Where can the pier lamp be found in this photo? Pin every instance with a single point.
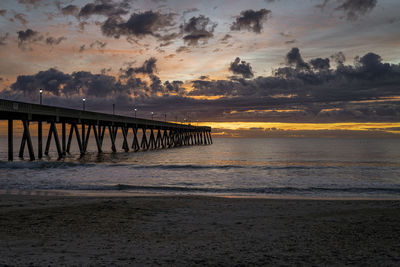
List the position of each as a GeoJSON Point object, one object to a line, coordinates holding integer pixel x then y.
{"type": "Point", "coordinates": [152, 115]}
{"type": "Point", "coordinates": [83, 103]}
{"type": "Point", "coordinates": [165, 117]}
{"type": "Point", "coordinates": [40, 94]}
{"type": "Point", "coordinates": [135, 111]}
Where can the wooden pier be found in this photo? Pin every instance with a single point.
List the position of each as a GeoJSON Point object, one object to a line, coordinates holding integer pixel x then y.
{"type": "Point", "coordinates": [152, 134]}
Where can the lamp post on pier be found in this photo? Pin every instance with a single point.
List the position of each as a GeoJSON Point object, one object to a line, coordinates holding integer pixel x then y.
{"type": "Point", "coordinates": [40, 96]}
{"type": "Point", "coordinates": [83, 103]}
{"type": "Point", "coordinates": [135, 111]}
{"type": "Point", "coordinates": [152, 115]}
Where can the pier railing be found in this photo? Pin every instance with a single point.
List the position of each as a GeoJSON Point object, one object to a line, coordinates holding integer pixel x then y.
{"type": "Point", "coordinates": [154, 134]}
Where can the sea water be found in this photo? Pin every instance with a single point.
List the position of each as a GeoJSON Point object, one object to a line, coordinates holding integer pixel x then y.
{"type": "Point", "coordinates": [305, 167]}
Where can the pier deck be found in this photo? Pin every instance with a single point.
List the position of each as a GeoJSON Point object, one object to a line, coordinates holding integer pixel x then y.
{"type": "Point", "coordinates": [154, 134]}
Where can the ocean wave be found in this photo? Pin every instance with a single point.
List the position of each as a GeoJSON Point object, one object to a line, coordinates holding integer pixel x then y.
{"type": "Point", "coordinates": [194, 167]}
{"type": "Point", "coordinates": [43, 165]}
{"type": "Point", "coordinates": [178, 167]}
{"type": "Point", "coordinates": [265, 190]}
{"type": "Point", "coordinates": [196, 189]}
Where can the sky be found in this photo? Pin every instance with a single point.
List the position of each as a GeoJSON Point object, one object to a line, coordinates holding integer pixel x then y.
{"type": "Point", "coordinates": [247, 68]}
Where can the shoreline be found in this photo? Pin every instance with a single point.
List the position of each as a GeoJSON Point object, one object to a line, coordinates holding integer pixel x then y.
{"type": "Point", "coordinates": [133, 193]}
{"type": "Point", "coordinates": [183, 230]}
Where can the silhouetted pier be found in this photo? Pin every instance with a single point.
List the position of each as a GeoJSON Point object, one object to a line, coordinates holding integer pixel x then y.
{"type": "Point", "coordinates": [152, 134]}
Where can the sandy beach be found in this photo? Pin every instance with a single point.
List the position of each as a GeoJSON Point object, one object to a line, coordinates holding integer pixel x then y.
{"type": "Point", "coordinates": [196, 230]}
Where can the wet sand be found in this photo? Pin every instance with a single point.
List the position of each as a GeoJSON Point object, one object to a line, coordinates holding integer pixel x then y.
{"type": "Point", "coordinates": [195, 230]}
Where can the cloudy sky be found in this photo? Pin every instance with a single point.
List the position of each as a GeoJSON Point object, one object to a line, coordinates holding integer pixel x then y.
{"type": "Point", "coordinates": [266, 67]}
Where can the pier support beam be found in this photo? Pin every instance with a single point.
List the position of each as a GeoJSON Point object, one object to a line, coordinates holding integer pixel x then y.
{"type": "Point", "coordinates": [165, 140]}
{"type": "Point", "coordinates": [63, 137]}
{"type": "Point", "coordinates": [144, 144]}
{"type": "Point", "coordinates": [96, 136]}
{"type": "Point", "coordinates": [125, 145]}
{"type": "Point", "coordinates": [10, 141]}
{"type": "Point", "coordinates": [78, 138]}
{"type": "Point", "coordinates": [53, 132]}
{"type": "Point", "coordinates": [87, 137]}
{"type": "Point", "coordinates": [102, 130]}
{"type": "Point", "coordinates": [112, 136]}
{"type": "Point", "coordinates": [83, 138]}
{"type": "Point", "coordinates": [135, 142]}
{"type": "Point", "coordinates": [152, 142]}
{"type": "Point", "coordinates": [40, 140]}
{"type": "Point", "coordinates": [26, 138]}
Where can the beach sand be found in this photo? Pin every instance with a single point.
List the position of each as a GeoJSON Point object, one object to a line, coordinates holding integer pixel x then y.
{"type": "Point", "coordinates": [196, 230]}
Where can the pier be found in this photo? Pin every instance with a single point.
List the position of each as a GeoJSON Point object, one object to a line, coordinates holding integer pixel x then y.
{"type": "Point", "coordinates": [82, 125]}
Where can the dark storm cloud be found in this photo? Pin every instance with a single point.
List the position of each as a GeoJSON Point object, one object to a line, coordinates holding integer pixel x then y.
{"type": "Point", "coordinates": [100, 90]}
{"type": "Point", "coordinates": [320, 63]}
{"type": "Point", "coordinates": [104, 8]}
{"type": "Point", "coordinates": [251, 20]}
{"type": "Point", "coordinates": [174, 87]}
{"type": "Point", "coordinates": [371, 67]}
{"type": "Point", "coordinates": [197, 29]}
{"type": "Point", "coordinates": [78, 83]}
{"type": "Point", "coordinates": [70, 10]}
{"type": "Point", "coordinates": [148, 67]}
{"type": "Point", "coordinates": [138, 25]}
{"type": "Point", "coordinates": [293, 57]}
{"type": "Point", "coordinates": [27, 37]}
{"type": "Point", "coordinates": [339, 58]}
{"type": "Point", "coordinates": [52, 41]}
{"type": "Point", "coordinates": [3, 38]}
{"type": "Point", "coordinates": [241, 68]}
{"type": "Point", "coordinates": [353, 9]}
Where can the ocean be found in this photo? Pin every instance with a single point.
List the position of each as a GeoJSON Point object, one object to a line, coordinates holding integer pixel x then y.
{"type": "Point", "coordinates": [269, 167]}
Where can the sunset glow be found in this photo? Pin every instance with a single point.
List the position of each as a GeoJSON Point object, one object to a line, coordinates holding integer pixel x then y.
{"type": "Point", "coordinates": [387, 127]}
{"type": "Point", "coordinates": [312, 66]}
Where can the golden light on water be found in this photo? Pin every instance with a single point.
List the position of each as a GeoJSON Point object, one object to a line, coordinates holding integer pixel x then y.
{"type": "Point", "coordinates": [349, 126]}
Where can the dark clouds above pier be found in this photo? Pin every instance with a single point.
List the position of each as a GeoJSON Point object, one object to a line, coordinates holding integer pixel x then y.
{"type": "Point", "coordinates": [318, 61]}
{"type": "Point", "coordinates": [300, 91]}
